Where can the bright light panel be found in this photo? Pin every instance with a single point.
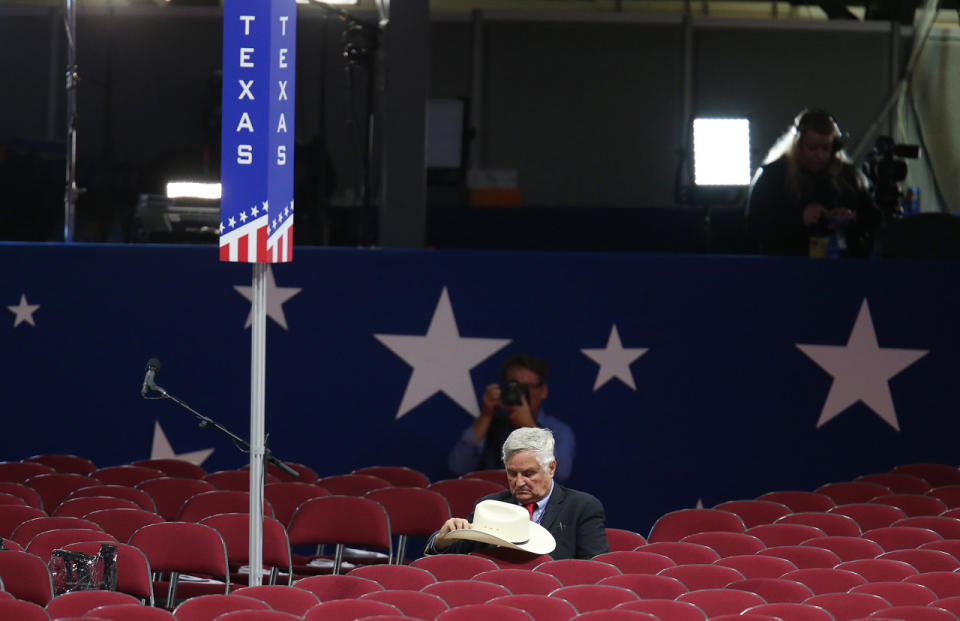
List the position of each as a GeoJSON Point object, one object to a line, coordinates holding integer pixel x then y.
{"type": "Point", "coordinates": [721, 151]}
{"type": "Point", "coordinates": [329, 2]}
{"type": "Point", "coordinates": [193, 189]}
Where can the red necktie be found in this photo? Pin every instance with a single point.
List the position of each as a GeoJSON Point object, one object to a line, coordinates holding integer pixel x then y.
{"type": "Point", "coordinates": [530, 508]}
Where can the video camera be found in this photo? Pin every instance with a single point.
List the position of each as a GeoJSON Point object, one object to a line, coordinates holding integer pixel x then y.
{"type": "Point", "coordinates": [885, 169]}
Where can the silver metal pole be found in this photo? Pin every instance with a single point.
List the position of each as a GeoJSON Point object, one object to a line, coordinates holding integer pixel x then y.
{"type": "Point", "coordinates": [71, 191]}
{"type": "Point", "coordinates": [258, 360]}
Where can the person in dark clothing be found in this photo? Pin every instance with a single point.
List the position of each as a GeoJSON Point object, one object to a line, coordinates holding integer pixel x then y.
{"type": "Point", "coordinates": [575, 520]}
{"type": "Point", "coordinates": [808, 195]}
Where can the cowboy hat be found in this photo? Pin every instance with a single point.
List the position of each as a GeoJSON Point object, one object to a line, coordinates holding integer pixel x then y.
{"type": "Point", "coordinates": [508, 525]}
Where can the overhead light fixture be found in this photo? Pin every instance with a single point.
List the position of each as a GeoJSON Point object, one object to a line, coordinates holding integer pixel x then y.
{"type": "Point", "coordinates": [193, 189]}
{"type": "Point", "coordinates": [721, 152]}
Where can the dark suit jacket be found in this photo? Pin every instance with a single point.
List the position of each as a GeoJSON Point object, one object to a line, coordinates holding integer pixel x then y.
{"type": "Point", "coordinates": [575, 519]}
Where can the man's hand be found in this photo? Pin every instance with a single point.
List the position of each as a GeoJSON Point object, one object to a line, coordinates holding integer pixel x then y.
{"type": "Point", "coordinates": [450, 525]}
{"type": "Point", "coordinates": [520, 415]}
{"type": "Point", "coordinates": [491, 399]}
{"type": "Point", "coordinates": [812, 214]}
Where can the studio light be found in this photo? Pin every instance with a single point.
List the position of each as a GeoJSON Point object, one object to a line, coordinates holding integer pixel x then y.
{"type": "Point", "coordinates": [721, 152]}
{"type": "Point", "coordinates": [193, 189]}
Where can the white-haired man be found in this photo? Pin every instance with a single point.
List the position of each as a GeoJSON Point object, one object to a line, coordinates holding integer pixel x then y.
{"type": "Point", "coordinates": [574, 518]}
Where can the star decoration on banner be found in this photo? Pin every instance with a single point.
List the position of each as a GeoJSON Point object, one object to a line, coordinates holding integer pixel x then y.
{"type": "Point", "coordinates": [161, 449]}
{"type": "Point", "coordinates": [254, 210]}
{"type": "Point", "coordinates": [861, 370]}
{"type": "Point", "coordinates": [614, 360]}
{"type": "Point", "coordinates": [276, 296]}
{"type": "Point", "coordinates": [23, 312]}
{"type": "Point", "coordinates": [441, 360]}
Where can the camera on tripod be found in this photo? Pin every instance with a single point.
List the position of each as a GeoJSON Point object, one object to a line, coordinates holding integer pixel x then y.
{"type": "Point", "coordinates": [886, 169]}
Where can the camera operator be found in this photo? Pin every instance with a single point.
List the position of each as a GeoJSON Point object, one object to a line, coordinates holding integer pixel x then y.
{"type": "Point", "coordinates": [808, 195]}
{"type": "Point", "coordinates": [515, 402]}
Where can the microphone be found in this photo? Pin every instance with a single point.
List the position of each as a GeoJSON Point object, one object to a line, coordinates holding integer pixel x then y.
{"type": "Point", "coordinates": [153, 365]}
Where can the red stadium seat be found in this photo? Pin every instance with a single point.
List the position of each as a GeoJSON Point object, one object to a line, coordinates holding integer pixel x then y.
{"type": "Point", "coordinates": [784, 534]}
{"type": "Point", "coordinates": [133, 569]}
{"type": "Point", "coordinates": [822, 580]}
{"type": "Point", "coordinates": [69, 464]}
{"type": "Point", "coordinates": [943, 583]}
{"type": "Point", "coordinates": [793, 612]}
{"type": "Point", "coordinates": [283, 597]}
{"type": "Point", "coordinates": [26, 577]}
{"type": "Point", "coordinates": [758, 565]}
{"type": "Point", "coordinates": [946, 527]}
{"type": "Point", "coordinates": [395, 576]}
{"type": "Point", "coordinates": [286, 496]}
{"type": "Point", "coordinates": [901, 537]}
{"type": "Point", "coordinates": [208, 607]}
{"type": "Point", "coordinates": [352, 484]}
{"type": "Point", "coordinates": [914, 613]}
{"type": "Point", "coordinates": [755, 512]}
{"type": "Point", "coordinates": [665, 609]}
{"type": "Point", "coordinates": [463, 494]}
{"type": "Point", "coordinates": [913, 504]}
{"type": "Point", "coordinates": [676, 525]}
{"type": "Point", "coordinates": [879, 570]}
{"type": "Point", "coordinates": [122, 523]}
{"type": "Point", "coordinates": [800, 501]}
{"type": "Point", "coordinates": [898, 482]}
{"type": "Point", "coordinates": [924, 560]}
{"type": "Point", "coordinates": [847, 548]}
{"type": "Point", "coordinates": [127, 475]}
{"type": "Point", "coordinates": [774, 590]}
{"type": "Point", "coordinates": [587, 597]}
{"type": "Point", "coordinates": [498, 476]}
{"type": "Point", "coordinates": [169, 493]}
{"type": "Point", "coordinates": [22, 610]}
{"type": "Point", "coordinates": [76, 603]}
{"type": "Point", "coordinates": [54, 488]}
{"type": "Point", "coordinates": [454, 566]}
{"type": "Point", "coordinates": [696, 577]}
{"type": "Point", "coordinates": [898, 593]}
{"type": "Point", "coordinates": [521, 581]}
{"type": "Point", "coordinates": [636, 561]}
{"type": "Point", "coordinates": [233, 480]}
{"type": "Point", "coordinates": [716, 602]}
{"type": "Point", "coordinates": [342, 520]}
{"type": "Point", "coordinates": [619, 539]}
{"type": "Point", "coordinates": [846, 492]}
{"type": "Point", "coordinates": [464, 592]}
{"type": "Point", "coordinates": [935, 474]}
{"type": "Point", "coordinates": [829, 523]}
{"type": "Point", "coordinates": [947, 494]}
{"type": "Point", "coordinates": [727, 544]}
{"type": "Point", "coordinates": [80, 506]}
{"type": "Point", "coordinates": [483, 612]}
{"type": "Point", "coordinates": [682, 553]}
{"type": "Point", "coordinates": [338, 587]}
{"type": "Point", "coordinates": [540, 607]}
{"type": "Point", "coordinates": [177, 468]}
{"type": "Point", "coordinates": [414, 604]}
{"type": "Point", "coordinates": [848, 606]}
{"type": "Point", "coordinates": [140, 497]}
{"type": "Point", "coordinates": [869, 515]}
{"type": "Point", "coordinates": [648, 586]}
{"type": "Point", "coordinates": [349, 609]}
{"type": "Point", "coordinates": [400, 476]}
{"type": "Point", "coordinates": [803, 556]}
{"type": "Point", "coordinates": [572, 571]}
{"type": "Point", "coordinates": [413, 512]}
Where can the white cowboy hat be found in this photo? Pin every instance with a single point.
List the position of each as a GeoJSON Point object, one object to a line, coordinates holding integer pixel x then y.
{"type": "Point", "coordinates": [508, 525]}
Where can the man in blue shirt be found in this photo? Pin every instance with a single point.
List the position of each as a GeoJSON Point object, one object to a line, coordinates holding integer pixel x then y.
{"type": "Point", "coordinates": [479, 444]}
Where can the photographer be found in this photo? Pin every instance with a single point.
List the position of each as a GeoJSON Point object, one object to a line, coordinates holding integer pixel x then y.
{"type": "Point", "coordinates": [808, 195]}
{"type": "Point", "coordinates": [515, 402]}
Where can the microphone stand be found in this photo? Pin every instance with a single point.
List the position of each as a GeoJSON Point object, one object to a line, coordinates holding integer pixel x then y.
{"type": "Point", "coordinates": [206, 421]}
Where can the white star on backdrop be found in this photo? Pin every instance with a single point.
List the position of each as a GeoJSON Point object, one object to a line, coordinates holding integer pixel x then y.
{"type": "Point", "coordinates": [23, 312]}
{"type": "Point", "coordinates": [441, 360]}
{"type": "Point", "coordinates": [161, 449]}
{"type": "Point", "coordinates": [276, 296]}
{"type": "Point", "coordinates": [861, 370]}
{"type": "Point", "coordinates": [614, 360]}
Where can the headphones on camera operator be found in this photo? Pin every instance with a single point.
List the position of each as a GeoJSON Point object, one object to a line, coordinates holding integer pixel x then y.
{"type": "Point", "coordinates": [816, 119]}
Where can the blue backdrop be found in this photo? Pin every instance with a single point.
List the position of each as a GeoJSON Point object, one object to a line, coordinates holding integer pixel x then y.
{"type": "Point", "coordinates": [726, 404]}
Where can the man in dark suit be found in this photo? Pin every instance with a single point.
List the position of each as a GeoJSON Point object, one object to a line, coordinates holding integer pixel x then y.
{"type": "Point", "coordinates": [574, 518]}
